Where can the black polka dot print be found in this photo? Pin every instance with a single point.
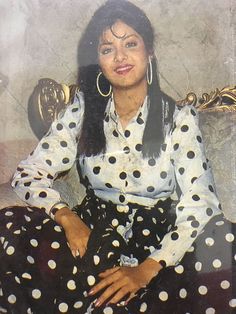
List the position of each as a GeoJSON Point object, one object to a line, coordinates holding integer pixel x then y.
{"type": "Point", "coordinates": [184, 128]}
{"type": "Point", "coordinates": [45, 145]}
{"type": "Point", "coordinates": [152, 162]}
{"type": "Point", "coordinates": [190, 154]}
{"type": "Point", "coordinates": [137, 174]}
{"type": "Point", "coordinates": [126, 150]}
{"type": "Point", "coordinates": [72, 125]}
{"type": "Point", "coordinates": [96, 170]}
{"type": "Point", "coordinates": [63, 144]}
{"type": "Point", "coordinates": [115, 133]}
{"type": "Point", "coordinates": [176, 146]}
{"type": "Point", "coordinates": [123, 175]}
{"type": "Point", "coordinates": [65, 160]}
{"type": "Point", "coordinates": [138, 147]}
{"type": "Point", "coordinates": [112, 160]}
{"type": "Point", "coordinates": [127, 133]}
{"type": "Point", "coordinates": [43, 194]}
{"type": "Point", "coordinates": [59, 126]}
{"type": "Point", "coordinates": [49, 162]}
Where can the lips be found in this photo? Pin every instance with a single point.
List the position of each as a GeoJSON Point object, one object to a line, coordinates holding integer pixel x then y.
{"type": "Point", "coordinates": [123, 69]}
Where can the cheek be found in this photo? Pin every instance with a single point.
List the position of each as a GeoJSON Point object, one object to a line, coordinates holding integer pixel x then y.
{"type": "Point", "coordinates": [105, 65]}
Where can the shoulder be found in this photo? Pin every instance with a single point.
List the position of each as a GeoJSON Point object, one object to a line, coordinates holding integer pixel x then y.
{"type": "Point", "coordinates": [74, 108]}
{"type": "Point", "coordinates": [185, 113]}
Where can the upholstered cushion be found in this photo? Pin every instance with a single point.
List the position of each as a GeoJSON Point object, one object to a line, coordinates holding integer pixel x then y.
{"type": "Point", "coordinates": [219, 133]}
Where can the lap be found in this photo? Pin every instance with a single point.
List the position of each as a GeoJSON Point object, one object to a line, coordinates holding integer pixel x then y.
{"type": "Point", "coordinates": [201, 283]}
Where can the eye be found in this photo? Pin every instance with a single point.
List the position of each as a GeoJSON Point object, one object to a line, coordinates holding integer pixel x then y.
{"type": "Point", "coordinates": [131, 44]}
{"type": "Point", "coordinates": [105, 51]}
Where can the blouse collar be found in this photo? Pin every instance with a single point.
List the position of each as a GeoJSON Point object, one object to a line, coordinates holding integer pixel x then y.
{"type": "Point", "coordinates": [111, 112]}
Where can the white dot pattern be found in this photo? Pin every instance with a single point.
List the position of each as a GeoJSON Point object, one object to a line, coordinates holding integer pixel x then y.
{"type": "Point", "coordinates": [209, 241]}
{"type": "Point", "coordinates": [143, 307]}
{"type": "Point", "coordinates": [183, 293]}
{"type": "Point", "coordinates": [78, 305]}
{"type": "Point", "coordinates": [52, 264]}
{"type": "Point", "coordinates": [12, 299]}
{"type": "Point", "coordinates": [91, 280]}
{"type": "Point", "coordinates": [179, 269]}
{"type": "Point", "coordinates": [225, 284]}
{"type": "Point", "coordinates": [216, 263]}
{"type": "Point", "coordinates": [148, 178]}
{"type": "Point", "coordinates": [202, 290]}
{"type": "Point", "coordinates": [36, 293]}
{"type": "Point", "coordinates": [108, 310]}
{"type": "Point", "coordinates": [163, 296]}
{"type": "Point", "coordinates": [232, 303]}
{"type": "Point", "coordinates": [210, 310]}
{"type": "Point", "coordinates": [63, 307]}
{"type": "Point", "coordinates": [229, 237]}
{"type": "Point", "coordinates": [198, 266]}
{"type": "Point", "coordinates": [71, 285]}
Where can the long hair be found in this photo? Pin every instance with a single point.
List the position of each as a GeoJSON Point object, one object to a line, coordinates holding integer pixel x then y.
{"type": "Point", "coordinates": [92, 140]}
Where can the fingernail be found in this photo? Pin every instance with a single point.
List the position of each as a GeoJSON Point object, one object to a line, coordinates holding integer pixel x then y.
{"type": "Point", "coordinates": [91, 292]}
{"type": "Point", "coordinates": [98, 303]}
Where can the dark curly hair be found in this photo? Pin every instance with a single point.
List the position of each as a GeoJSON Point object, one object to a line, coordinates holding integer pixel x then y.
{"type": "Point", "coordinates": [92, 140]}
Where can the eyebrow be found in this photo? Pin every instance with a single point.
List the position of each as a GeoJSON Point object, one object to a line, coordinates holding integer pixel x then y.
{"type": "Point", "coordinates": [122, 38]}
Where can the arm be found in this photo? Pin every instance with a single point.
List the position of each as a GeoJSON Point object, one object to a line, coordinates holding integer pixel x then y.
{"type": "Point", "coordinates": [55, 153]}
{"type": "Point", "coordinates": [198, 202]}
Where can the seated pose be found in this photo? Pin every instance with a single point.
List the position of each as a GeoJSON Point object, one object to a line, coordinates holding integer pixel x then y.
{"type": "Point", "coordinates": [134, 245]}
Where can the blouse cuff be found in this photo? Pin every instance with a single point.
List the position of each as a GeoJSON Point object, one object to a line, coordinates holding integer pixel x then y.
{"type": "Point", "coordinates": [56, 207]}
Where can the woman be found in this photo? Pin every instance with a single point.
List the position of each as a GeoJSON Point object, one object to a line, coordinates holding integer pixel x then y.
{"type": "Point", "coordinates": [130, 242]}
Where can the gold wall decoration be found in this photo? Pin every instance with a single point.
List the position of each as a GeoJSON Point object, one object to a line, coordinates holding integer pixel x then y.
{"type": "Point", "coordinates": [217, 101]}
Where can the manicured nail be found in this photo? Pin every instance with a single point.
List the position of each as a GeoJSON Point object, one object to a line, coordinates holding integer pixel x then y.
{"type": "Point", "coordinates": [98, 303]}
{"type": "Point", "coordinates": [91, 292]}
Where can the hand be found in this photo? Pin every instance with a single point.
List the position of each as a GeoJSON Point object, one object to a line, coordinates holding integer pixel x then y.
{"type": "Point", "coordinates": [120, 281]}
{"type": "Point", "coordinates": [76, 231]}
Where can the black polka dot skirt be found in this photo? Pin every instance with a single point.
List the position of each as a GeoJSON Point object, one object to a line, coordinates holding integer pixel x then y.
{"type": "Point", "coordinates": [38, 273]}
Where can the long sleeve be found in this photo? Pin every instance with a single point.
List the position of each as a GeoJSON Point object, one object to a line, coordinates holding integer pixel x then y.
{"type": "Point", "coordinates": [198, 202]}
{"type": "Point", "coordinates": [55, 153]}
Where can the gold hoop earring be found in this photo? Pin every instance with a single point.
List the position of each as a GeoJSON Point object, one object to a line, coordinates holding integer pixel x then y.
{"type": "Point", "coordinates": [98, 87]}
{"type": "Point", "coordinates": [149, 71]}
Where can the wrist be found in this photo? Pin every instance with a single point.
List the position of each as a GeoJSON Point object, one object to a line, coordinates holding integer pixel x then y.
{"type": "Point", "coordinates": [62, 215]}
{"type": "Point", "coordinates": [150, 267]}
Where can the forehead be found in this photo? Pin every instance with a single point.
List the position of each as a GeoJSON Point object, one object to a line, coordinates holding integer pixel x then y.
{"type": "Point", "coordinates": [118, 30]}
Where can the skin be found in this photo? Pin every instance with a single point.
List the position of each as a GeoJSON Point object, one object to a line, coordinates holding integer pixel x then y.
{"type": "Point", "coordinates": [123, 59]}
{"type": "Point", "coordinates": [118, 47]}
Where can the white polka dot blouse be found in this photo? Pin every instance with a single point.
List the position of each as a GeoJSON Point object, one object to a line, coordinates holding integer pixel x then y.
{"type": "Point", "coordinates": [122, 175]}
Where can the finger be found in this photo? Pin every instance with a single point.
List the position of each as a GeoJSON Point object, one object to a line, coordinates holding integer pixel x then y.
{"type": "Point", "coordinates": [82, 251]}
{"type": "Point", "coordinates": [111, 290]}
{"type": "Point", "coordinates": [109, 272]}
{"type": "Point", "coordinates": [120, 295]}
{"type": "Point", "coordinates": [131, 296]}
{"type": "Point", "coordinates": [75, 253]}
{"type": "Point", "coordinates": [104, 283]}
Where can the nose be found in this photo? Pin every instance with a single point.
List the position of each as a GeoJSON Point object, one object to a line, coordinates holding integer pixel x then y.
{"type": "Point", "coordinates": [120, 55]}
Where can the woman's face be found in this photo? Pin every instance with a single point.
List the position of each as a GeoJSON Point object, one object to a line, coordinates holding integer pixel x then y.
{"type": "Point", "coordinates": [122, 56]}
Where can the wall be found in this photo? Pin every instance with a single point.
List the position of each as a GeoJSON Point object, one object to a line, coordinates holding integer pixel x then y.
{"type": "Point", "coordinates": [195, 49]}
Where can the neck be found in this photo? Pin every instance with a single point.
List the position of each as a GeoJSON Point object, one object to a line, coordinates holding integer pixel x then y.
{"type": "Point", "coordinates": [128, 101]}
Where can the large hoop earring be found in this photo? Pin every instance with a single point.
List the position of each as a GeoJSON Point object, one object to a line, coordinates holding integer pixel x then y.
{"type": "Point", "coordinates": [98, 87]}
{"type": "Point", "coordinates": [149, 71]}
